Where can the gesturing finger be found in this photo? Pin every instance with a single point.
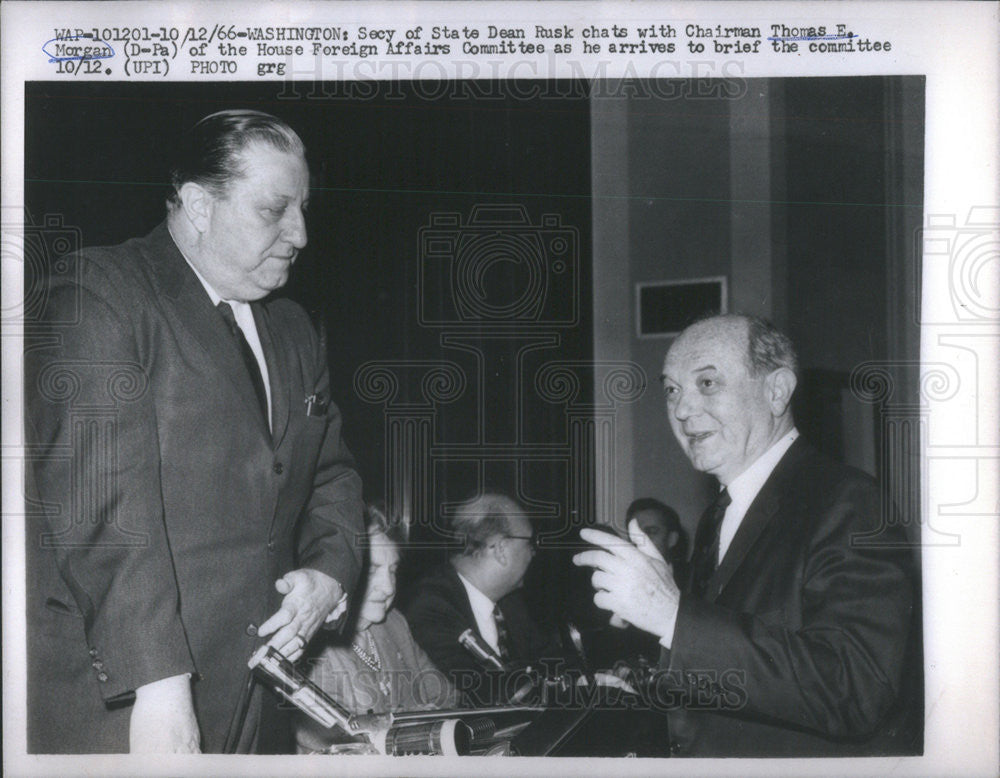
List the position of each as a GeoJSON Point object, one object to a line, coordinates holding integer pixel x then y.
{"type": "Point", "coordinates": [605, 600]}
{"type": "Point", "coordinates": [605, 540]}
{"type": "Point", "coordinates": [280, 618]}
{"type": "Point", "coordinates": [642, 542]}
{"type": "Point", "coordinates": [603, 580]}
{"type": "Point", "coordinates": [612, 544]}
{"type": "Point", "coordinates": [290, 640]}
{"type": "Point", "coordinates": [602, 560]}
{"type": "Point", "coordinates": [294, 646]}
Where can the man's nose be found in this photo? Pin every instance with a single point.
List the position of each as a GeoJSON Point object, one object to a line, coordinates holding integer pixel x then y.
{"type": "Point", "coordinates": [294, 228]}
{"type": "Point", "coordinates": [686, 406]}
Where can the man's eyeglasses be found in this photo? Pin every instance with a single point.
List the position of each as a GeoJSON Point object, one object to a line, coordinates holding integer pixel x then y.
{"type": "Point", "coordinates": [532, 539]}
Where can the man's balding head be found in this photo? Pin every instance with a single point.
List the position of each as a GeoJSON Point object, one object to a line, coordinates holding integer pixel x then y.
{"type": "Point", "coordinates": [498, 543]}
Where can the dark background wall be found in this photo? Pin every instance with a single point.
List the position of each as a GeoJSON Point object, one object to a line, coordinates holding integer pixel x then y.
{"type": "Point", "coordinates": [789, 188]}
{"type": "Point", "coordinates": [386, 165]}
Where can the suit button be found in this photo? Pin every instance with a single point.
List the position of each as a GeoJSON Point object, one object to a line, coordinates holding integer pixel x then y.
{"type": "Point", "coordinates": [675, 747]}
{"type": "Point", "coordinates": [93, 652]}
{"type": "Point", "coordinates": [97, 664]}
{"type": "Point", "coordinates": [270, 546]}
{"type": "Point", "coordinates": [252, 630]}
{"type": "Point", "coordinates": [102, 677]}
{"type": "Point", "coordinates": [279, 468]}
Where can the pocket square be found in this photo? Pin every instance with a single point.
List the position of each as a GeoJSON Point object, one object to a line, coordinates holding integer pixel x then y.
{"type": "Point", "coordinates": [316, 405]}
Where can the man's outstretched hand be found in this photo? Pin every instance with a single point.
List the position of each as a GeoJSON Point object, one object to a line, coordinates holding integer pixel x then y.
{"type": "Point", "coordinates": [311, 597]}
{"type": "Point", "coordinates": [632, 580]}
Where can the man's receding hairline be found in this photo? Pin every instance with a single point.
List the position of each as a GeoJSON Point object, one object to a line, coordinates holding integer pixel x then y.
{"type": "Point", "coordinates": [721, 324]}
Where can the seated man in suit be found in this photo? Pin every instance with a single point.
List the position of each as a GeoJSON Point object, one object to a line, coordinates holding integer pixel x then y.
{"type": "Point", "coordinates": [795, 632]}
{"type": "Point", "coordinates": [479, 588]}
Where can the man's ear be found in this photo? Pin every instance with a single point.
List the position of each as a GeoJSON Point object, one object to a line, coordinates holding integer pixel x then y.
{"type": "Point", "coordinates": [197, 203]}
{"type": "Point", "coordinates": [780, 386]}
{"type": "Point", "coordinates": [500, 552]}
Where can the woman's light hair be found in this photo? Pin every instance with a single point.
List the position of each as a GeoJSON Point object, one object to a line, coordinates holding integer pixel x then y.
{"type": "Point", "coordinates": [379, 522]}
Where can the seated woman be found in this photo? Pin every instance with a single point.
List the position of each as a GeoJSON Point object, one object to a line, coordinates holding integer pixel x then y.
{"type": "Point", "coordinates": [375, 665]}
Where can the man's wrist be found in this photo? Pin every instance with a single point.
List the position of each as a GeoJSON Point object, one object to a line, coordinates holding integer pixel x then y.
{"type": "Point", "coordinates": [170, 685]}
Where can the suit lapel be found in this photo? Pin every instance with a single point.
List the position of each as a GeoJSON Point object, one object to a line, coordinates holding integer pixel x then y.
{"type": "Point", "coordinates": [183, 292]}
{"type": "Point", "coordinates": [462, 598]}
{"type": "Point", "coordinates": [277, 372]}
{"type": "Point", "coordinates": [758, 516]}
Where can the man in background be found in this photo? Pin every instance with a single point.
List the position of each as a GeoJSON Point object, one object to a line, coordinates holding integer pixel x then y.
{"type": "Point", "coordinates": [662, 526]}
{"type": "Point", "coordinates": [479, 589]}
{"type": "Point", "coordinates": [794, 632]}
{"type": "Point", "coordinates": [212, 503]}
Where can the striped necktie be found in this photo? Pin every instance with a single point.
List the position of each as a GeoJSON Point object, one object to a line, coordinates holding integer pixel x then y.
{"type": "Point", "coordinates": [706, 552]}
{"type": "Point", "coordinates": [502, 638]}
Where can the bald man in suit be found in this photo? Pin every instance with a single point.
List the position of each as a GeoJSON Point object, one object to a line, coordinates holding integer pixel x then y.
{"type": "Point", "coordinates": [795, 635]}
{"type": "Point", "coordinates": [479, 588]}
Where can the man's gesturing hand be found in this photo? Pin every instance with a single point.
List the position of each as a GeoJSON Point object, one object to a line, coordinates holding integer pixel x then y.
{"type": "Point", "coordinates": [632, 584]}
{"type": "Point", "coordinates": [310, 597]}
{"type": "Point", "coordinates": [163, 720]}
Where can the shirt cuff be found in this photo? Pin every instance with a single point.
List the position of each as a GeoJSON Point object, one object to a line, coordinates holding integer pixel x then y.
{"type": "Point", "coordinates": [338, 610]}
{"type": "Point", "coordinates": [668, 637]}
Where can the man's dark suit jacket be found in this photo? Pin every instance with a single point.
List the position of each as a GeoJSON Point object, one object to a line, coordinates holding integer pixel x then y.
{"type": "Point", "coordinates": [169, 508]}
{"type": "Point", "coordinates": [440, 611]}
{"type": "Point", "coordinates": [800, 646]}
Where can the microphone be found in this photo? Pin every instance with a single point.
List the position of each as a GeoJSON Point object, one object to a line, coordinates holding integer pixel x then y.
{"type": "Point", "coordinates": [479, 648]}
{"type": "Point", "coordinates": [577, 640]}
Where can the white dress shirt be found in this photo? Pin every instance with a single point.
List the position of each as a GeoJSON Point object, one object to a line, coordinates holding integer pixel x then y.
{"type": "Point", "coordinates": [743, 491]}
{"type": "Point", "coordinates": [745, 488]}
{"type": "Point", "coordinates": [244, 319]}
{"type": "Point", "coordinates": [482, 610]}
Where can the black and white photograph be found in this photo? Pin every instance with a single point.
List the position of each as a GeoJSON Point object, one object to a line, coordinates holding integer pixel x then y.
{"type": "Point", "coordinates": [377, 425]}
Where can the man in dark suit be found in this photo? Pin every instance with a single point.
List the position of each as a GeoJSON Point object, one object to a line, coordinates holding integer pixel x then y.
{"type": "Point", "coordinates": [198, 496]}
{"type": "Point", "coordinates": [479, 589]}
{"type": "Point", "coordinates": [794, 634]}
{"type": "Point", "coordinates": [661, 524]}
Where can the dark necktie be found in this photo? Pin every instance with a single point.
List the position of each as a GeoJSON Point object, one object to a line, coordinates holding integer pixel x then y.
{"type": "Point", "coordinates": [253, 367]}
{"type": "Point", "coordinates": [706, 550]}
{"type": "Point", "coordinates": [502, 644]}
